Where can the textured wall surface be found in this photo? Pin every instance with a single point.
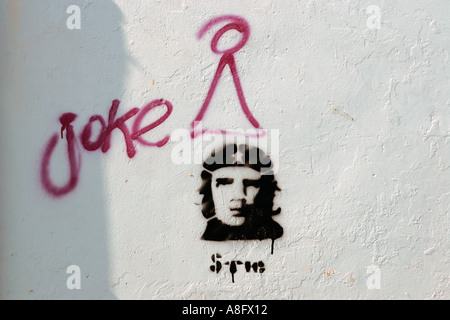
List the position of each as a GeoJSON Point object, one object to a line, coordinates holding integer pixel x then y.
{"type": "Point", "coordinates": [361, 101]}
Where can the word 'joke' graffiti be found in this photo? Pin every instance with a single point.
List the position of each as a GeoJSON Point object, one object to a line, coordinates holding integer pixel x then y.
{"type": "Point", "coordinates": [103, 140]}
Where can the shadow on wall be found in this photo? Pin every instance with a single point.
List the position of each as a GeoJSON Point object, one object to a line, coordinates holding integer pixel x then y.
{"type": "Point", "coordinates": [48, 70]}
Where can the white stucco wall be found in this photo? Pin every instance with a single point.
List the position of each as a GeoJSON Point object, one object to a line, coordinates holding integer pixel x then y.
{"type": "Point", "coordinates": [363, 115]}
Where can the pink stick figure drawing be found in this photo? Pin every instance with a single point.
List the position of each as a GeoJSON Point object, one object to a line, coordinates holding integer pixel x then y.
{"type": "Point", "coordinates": [239, 24]}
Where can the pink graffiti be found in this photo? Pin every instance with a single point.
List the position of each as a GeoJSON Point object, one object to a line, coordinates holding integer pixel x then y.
{"type": "Point", "coordinates": [136, 131]}
{"type": "Point", "coordinates": [103, 140]}
{"type": "Point", "coordinates": [239, 24]}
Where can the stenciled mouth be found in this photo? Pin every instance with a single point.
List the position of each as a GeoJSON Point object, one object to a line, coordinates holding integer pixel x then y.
{"type": "Point", "coordinates": [238, 212]}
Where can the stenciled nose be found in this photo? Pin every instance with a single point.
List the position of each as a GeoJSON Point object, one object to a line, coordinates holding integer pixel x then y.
{"type": "Point", "coordinates": [237, 203]}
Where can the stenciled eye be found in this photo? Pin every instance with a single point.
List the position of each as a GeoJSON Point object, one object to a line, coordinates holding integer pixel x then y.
{"type": "Point", "coordinates": [251, 183]}
{"type": "Point", "coordinates": [224, 181]}
{"type": "Point", "coordinates": [251, 187]}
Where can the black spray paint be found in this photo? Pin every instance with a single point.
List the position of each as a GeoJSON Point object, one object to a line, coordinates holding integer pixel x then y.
{"type": "Point", "coordinates": [257, 267]}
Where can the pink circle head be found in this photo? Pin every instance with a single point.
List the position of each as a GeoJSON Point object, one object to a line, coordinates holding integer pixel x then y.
{"type": "Point", "coordinates": [236, 23]}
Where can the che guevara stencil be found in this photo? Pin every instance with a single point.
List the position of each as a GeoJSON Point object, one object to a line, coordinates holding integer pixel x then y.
{"type": "Point", "coordinates": [238, 188]}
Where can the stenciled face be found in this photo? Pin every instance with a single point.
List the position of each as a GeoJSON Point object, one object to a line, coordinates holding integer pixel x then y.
{"type": "Point", "coordinates": [232, 189]}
